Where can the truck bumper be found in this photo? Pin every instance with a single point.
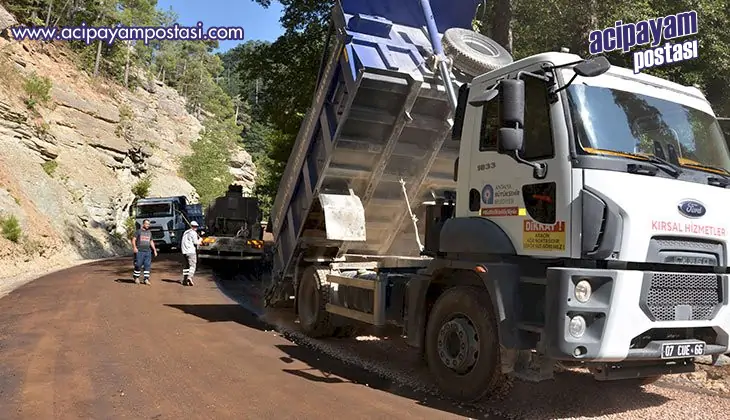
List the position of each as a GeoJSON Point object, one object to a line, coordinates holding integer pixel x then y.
{"type": "Point", "coordinates": [229, 254]}
{"type": "Point", "coordinates": [634, 315]}
{"type": "Point", "coordinates": [228, 257]}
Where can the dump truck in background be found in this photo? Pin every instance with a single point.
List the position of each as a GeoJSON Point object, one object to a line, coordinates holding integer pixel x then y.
{"type": "Point", "coordinates": [233, 228]}
{"type": "Point", "coordinates": [505, 215]}
{"type": "Point", "coordinates": [168, 219]}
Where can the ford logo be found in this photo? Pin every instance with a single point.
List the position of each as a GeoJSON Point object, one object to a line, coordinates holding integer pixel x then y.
{"type": "Point", "coordinates": [692, 209]}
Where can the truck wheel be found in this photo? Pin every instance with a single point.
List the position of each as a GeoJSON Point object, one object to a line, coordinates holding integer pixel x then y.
{"type": "Point", "coordinates": [474, 53]}
{"type": "Point", "coordinates": [312, 298]}
{"type": "Point", "coordinates": [462, 344]}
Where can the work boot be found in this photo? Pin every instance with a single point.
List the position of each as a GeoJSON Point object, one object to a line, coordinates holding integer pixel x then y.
{"type": "Point", "coordinates": [136, 280]}
{"type": "Point", "coordinates": [147, 281]}
{"type": "Point", "coordinates": [184, 281]}
{"type": "Point", "coordinates": [190, 282]}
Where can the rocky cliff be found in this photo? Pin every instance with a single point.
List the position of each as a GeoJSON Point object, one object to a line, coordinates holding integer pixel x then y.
{"type": "Point", "coordinates": [68, 165]}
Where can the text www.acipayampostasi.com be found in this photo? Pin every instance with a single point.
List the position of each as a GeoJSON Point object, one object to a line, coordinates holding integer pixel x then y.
{"type": "Point", "coordinates": [110, 34]}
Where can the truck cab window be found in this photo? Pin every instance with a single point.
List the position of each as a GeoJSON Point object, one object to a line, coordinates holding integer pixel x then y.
{"type": "Point", "coordinates": [538, 140]}
{"type": "Point", "coordinates": [490, 126]}
{"type": "Point", "coordinates": [538, 137]}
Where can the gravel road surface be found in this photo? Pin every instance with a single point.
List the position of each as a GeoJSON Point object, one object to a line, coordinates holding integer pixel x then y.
{"type": "Point", "coordinates": [86, 343]}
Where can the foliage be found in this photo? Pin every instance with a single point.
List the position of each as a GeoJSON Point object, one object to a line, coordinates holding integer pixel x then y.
{"type": "Point", "coordinates": [126, 118]}
{"type": "Point", "coordinates": [49, 167]}
{"type": "Point", "coordinates": [129, 228]}
{"type": "Point", "coordinates": [37, 90]}
{"type": "Point", "coordinates": [142, 188]}
{"type": "Point", "coordinates": [10, 228]}
{"type": "Point", "coordinates": [207, 168]}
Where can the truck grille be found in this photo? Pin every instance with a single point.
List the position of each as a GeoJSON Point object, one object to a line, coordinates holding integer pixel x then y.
{"type": "Point", "coordinates": [158, 234]}
{"type": "Point", "coordinates": [700, 293]}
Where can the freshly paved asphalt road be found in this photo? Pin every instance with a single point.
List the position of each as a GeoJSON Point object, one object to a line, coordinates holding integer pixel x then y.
{"type": "Point", "coordinates": [88, 343]}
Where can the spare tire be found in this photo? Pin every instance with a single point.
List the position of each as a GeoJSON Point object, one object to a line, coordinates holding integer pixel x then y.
{"type": "Point", "coordinates": [474, 53]}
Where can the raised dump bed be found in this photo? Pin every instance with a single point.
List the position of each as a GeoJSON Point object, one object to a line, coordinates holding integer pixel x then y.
{"type": "Point", "coordinates": [380, 121]}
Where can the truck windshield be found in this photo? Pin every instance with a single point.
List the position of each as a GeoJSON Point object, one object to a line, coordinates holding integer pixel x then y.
{"type": "Point", "coordinates": [154, 210]}
{"type": "Point", "coordinates": [616, 122]}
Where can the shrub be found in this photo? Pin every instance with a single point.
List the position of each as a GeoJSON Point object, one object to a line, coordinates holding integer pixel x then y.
{"type": "Point", "coordinates": [129, 227]}
{"type": "Point", "coordinates": [142, 188]}
{"type": "Point", "coordinates": [10, 228]}
{"type": "Point", "coordinates": [126, 120]}
{"type": "Point", "coordinates": [37, 89]}
{"type": "Point", "coordinates": [49, 167]}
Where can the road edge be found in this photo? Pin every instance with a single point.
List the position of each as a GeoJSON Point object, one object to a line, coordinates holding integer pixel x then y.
{"type": "Point", "coordinates": [10, 284]}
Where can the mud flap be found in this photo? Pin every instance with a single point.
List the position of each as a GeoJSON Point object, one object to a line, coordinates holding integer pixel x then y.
{"type": "Point", "coordinates": [344, 217]}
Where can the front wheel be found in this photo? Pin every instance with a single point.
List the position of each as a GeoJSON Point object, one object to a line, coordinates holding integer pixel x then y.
{"type": "Point", "coordinates": [462, 344]}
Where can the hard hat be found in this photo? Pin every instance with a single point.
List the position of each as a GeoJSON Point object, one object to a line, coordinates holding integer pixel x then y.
{"type": "Point", "coordinates": [194, 223]}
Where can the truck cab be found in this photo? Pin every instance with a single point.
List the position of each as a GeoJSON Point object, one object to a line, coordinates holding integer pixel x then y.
{"type": "Point", "coordinates": [613, 187]}
{"type": "Point", "coordinates": [167, 219]}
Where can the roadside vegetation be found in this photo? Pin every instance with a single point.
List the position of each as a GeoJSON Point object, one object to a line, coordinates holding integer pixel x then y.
{"type": "Point", "coordinates": [142, 188]}
{"type": "Point", "coordinates": [10, 228]}
{"type": "Point", "coordinates": [49, 167]}
{"type": "Point", "coordinates": [37, 90]}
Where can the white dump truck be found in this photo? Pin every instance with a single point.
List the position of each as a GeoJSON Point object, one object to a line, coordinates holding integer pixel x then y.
{"type": "Point", "coordinates": [507, 215]}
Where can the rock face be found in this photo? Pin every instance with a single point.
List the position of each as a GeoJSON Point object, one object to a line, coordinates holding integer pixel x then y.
{"type": "Point", "coordinates": [6, 20]}
{"type": "Point", "coordinates": [67, 167]}
{"type": "Point", "coordinates": [243, 170]}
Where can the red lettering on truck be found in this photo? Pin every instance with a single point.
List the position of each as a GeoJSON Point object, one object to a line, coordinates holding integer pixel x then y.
{"type": "Point", "coordinates": [532, 226]}
{"type": "Point", "coordinates": [693, 228]}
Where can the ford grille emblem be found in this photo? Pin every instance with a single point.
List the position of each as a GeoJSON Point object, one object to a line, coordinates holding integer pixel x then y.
{"type": "Point", "coordinates": [692, 209]}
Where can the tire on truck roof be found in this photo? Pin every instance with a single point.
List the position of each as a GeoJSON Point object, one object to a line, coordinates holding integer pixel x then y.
{"type": "Point", "coordinates": [474, 53]}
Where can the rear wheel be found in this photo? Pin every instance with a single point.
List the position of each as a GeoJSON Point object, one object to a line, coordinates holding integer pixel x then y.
{"type": "Point", "coordinates": [462, 344]}
{"type": "Point", "coordinates": [312, 298]}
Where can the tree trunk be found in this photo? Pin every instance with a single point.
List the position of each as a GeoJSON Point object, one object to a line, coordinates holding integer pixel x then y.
{"type": "Point", "coordinates": [98, 60]}
{"type": "Point", "coordinates": [236, 117]}
{"type": "Point", "coordinates": [48, 15]}
{"type": "Point", "coordinates": [502, 23]}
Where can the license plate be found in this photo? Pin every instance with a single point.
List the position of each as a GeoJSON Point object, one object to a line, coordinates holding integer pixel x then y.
{"type": "Point", "coordinates": [679, 350]}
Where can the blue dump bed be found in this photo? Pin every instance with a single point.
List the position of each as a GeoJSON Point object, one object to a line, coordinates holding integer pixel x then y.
{"type": "Point", "coordinates": [379, 116]}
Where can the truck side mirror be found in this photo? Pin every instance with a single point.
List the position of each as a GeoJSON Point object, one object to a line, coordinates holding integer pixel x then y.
{"type": "Point", "coordinates": [512, 122]}
{"type": "Point", "coordinates": [511, 115]}
{"type": "Point", "coordinates": [512, 102]}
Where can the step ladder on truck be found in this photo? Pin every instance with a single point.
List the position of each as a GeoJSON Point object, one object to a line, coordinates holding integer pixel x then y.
{"type": "Point", "coordinates": [508, 216]}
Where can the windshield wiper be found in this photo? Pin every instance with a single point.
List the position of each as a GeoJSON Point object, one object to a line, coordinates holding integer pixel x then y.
{"type": "Point", "coordinates": [663, 164]}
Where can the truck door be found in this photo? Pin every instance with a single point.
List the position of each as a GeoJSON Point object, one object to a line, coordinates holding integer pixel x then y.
{"type": "Point", "coordinates": [533, 212]}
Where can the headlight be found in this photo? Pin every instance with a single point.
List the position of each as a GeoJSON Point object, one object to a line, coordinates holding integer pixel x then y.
{"type": "Point", "coordinates": [583, 291]}
{"type": "Point", "coordinates": [577, 326]}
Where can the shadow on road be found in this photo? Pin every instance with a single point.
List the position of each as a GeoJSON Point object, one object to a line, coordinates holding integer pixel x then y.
{"type": "Point", "coordinates": [322, 368]}
{"type": "Point", "coordinates": [570, 394]}
{"type": "Point", "coordinates": [223, 313]}
{"type": "Point", "coordinates": [170, 281]}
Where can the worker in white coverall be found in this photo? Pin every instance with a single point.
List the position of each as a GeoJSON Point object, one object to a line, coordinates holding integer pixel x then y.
{"type": "Point", "coordinates": [188, 246]}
